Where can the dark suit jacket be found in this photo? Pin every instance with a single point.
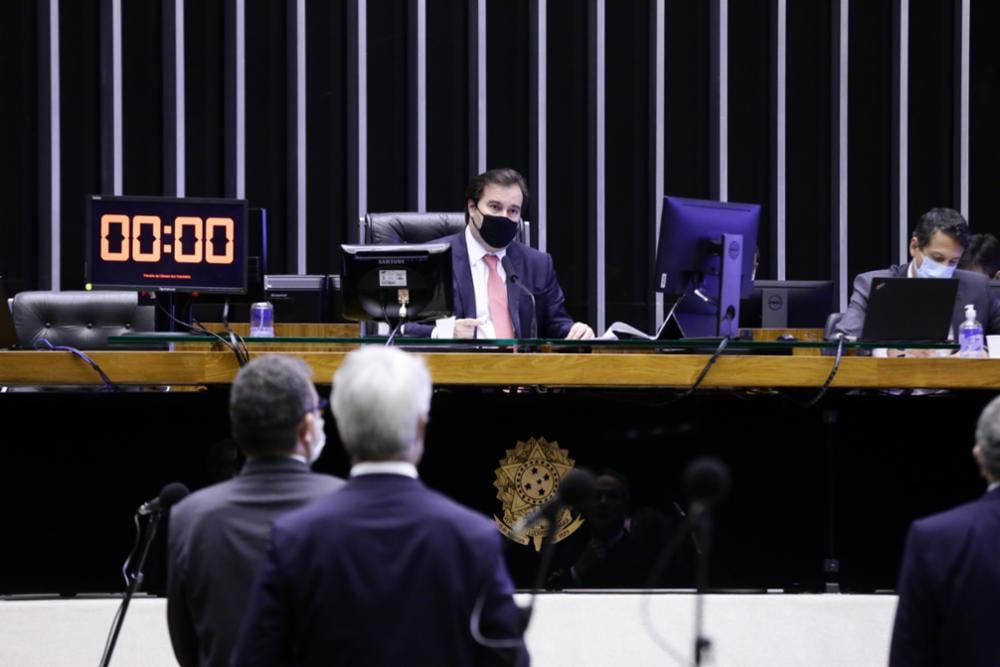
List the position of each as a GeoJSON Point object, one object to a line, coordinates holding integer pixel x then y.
{"type": "Point", "coordinates": [949, 589]}
{"type": "Point", "coordinates": [973, 288]}
{"type": "Point", "coordinates": [536, 272]}
{"type": "Point", "coordinates": [385, 572]}
{"type": "Point", "coordinates": [217, 539]}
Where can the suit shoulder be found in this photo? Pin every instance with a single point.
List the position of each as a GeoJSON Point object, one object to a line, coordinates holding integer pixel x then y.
{"type": "Point", "coordinates": [955, 520]}
{"type": "Point", "coordinates": [973, 278]}
{"type": "Point", "coordinates": [469, 519]}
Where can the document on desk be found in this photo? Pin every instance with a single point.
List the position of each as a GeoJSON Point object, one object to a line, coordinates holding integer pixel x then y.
{"type": "Point", "coordinates": [619, 330]}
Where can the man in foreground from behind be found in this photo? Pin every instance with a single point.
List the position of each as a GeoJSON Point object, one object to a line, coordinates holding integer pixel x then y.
{"type": "Point", "coordinates": [386, 571]}
{"type": "Point", "coordinates": [219, 535]}
{"type": "Point", "coordinates": [949, 585]}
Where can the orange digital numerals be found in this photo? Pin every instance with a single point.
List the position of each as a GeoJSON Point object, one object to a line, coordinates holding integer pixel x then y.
{"type": "Point", "coordinates": [131, 233]}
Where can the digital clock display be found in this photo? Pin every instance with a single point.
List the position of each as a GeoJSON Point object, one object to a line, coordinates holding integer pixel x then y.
{"type": "Point", "coordinates": [167, 244]}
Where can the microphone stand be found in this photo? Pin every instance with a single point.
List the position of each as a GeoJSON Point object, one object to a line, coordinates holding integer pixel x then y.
{"type": "Point", "coordinates": [701, 529]}
{"type": "Point", "coordinates": [544, 561]}
{"type": "Point", "coordinates": [135, 580]}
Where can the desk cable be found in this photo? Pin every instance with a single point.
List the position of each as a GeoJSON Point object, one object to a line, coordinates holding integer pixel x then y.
{"type": "Point", "coordinates": [43, 344]}
{"type": "Point", "coordinates": [833, 374]}
{"type": "Point", "coordinates": [242, 356]}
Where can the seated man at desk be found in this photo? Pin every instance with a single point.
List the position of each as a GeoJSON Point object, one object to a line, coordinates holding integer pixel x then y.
{"type": "Point", "coordinates": [495, 273]}
{"type": "Point", "coordinates": [937, 245]}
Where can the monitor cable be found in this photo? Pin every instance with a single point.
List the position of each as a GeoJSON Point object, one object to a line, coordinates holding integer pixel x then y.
{"type": "Point", "coordinates": [242, 358]}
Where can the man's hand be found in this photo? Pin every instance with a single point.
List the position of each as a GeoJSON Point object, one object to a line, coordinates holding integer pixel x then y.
{"type": "Point", "coordinates": [466, 327]}
{"type": "Point", "coordinates": [579, 331]}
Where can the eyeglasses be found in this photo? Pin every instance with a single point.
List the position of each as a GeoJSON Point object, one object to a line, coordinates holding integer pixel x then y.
{"type": "Point", "coordinates": [321, 406]}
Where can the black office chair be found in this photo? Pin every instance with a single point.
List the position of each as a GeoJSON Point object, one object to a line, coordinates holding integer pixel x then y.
{"type": "Point", "coordinates": [83, 320]}
{"type": "Point", "coordinates": [412, 227]}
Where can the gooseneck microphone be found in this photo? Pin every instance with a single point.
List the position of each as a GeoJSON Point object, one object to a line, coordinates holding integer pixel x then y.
{"type": "Point", "coordinates": [707, 481]}
{"type": "Point", "coordinates": [170, 495]}
{"type": "Point", "coordinates": [514, 278]}
{"type": "Point", "coordinates": [577, 486]}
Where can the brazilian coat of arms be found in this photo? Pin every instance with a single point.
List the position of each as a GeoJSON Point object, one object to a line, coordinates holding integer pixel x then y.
{"type": "Point", "coordinates": [528, 477]}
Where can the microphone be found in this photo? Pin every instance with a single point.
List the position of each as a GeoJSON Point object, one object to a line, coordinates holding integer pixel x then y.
{"type": "Point", "coordinates": [513, 277]}
{"type": "Point", "coordinates": [707, 481]}
{"type": "Point", "coordinates": [577, 486]}
{"type": "Point", "coordinates": [170, 495]}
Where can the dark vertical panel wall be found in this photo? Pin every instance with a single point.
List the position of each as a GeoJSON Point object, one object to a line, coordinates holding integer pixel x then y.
{"type": "Point", "coordinates": [507, 82]}
{"type": "Point", "coordinates": [326, 139]}
{"type": "Point", "coordinates": [204, 72]}
{"type": "Point", "coordinates": [932, 107]}
{"type": "Point", "coordinates": [567, 163]}
{"type": "Point", "coordinates": [80, 120]}
{"type": "Point", "coordinates": [19, 79]}
{"type": "Point", "coordinates": [984, 110]}
{"type": "Point", "coordinates": [750, 135]}
{"type": "Point", "coordinates": [931, 164]}
{"type": "Point", "coordinates": [142, 97]}
{"type": "Point", "coordinates": [686, 153]}
{"type": "Point", "coordinates": [387, 108]}
{"type": "Point", "coordinates": [266, 136]}
{"type": "Point", "coordinates": [447, 92]}
{"type": "Point", "coordinates": [627, 176]}
{"type": "Point", "coordinates": [870, 128]}
{"type": "Point", "coordinates": [808, 138]}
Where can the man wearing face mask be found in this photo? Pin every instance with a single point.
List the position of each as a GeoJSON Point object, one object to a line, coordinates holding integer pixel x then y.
{"type": "Point", "coordinates": [488, 301]}
{"type": "Point", "coordinates": [938, 241]}
{"type": "Point", "coordinates": [219, 535]}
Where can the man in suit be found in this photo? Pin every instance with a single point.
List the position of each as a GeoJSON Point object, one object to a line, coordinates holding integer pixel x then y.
{"type": "Point", "coordinates": [218, 536]}
{"type": "Point", "coordinates": [386, 571]}
{"type": "Point", "coordinates": [936, 247]}
{"type": "Point", "coordinates": [489, 302]}
{"type": "Point", "coordinates": [949, 586]}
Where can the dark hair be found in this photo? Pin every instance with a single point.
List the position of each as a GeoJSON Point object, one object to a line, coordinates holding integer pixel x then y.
{"type": "Point", "coordinates": [982, 254]}
{"type": "Point", "coordinates": [503, 178]}
{"type": "Point", "coordinates": [268, 400]}
{"type": "Point", "coordinates": [945, 220]}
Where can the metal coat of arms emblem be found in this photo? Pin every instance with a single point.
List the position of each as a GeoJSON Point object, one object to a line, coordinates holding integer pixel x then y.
{"type": "Point", "coordinates": [528, 477]}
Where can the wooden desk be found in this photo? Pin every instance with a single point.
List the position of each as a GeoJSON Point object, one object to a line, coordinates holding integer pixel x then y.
{"type": "Point", "coordinates": [552, 369]}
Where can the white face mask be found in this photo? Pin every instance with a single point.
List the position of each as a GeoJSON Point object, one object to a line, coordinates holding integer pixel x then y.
{"type": "Point", "coordinates": [931, 269]}
{"type": "Point", "coordinates": [318, 438]}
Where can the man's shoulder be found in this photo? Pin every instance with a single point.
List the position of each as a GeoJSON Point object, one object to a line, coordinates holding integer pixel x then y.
{"type": "Point", "coordinates": [955, 520]}
{"type": "Point", "coordinates": [974, 278]}
{"type": "Point", "coordinates": [891, 272]}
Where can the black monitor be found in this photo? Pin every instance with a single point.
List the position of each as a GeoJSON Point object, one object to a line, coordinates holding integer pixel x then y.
{"type": "Point", "coordinates": [788, 304]}
{"type": "Point", "coordinates": [704, 262]}
{"type": "Point", "coordinates": [167, 244]}
{"type": "Point", "coordinates": [397, 283]}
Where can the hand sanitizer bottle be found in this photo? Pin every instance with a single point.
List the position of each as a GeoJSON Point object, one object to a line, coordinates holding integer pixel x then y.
{"type": "Point", "coordinates": [970, 335]}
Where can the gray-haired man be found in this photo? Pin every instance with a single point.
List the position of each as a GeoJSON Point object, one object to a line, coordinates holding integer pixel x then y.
{"type": "Point", "coordinates": [218, 536]}
{"type": "Point", "coordinates": [949, 586]}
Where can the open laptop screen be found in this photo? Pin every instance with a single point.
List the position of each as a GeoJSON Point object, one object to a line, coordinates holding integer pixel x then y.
{"type": "Point", "coordinates": [909, 309]}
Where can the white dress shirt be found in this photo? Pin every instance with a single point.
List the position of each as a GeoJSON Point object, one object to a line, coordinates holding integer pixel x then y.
{"type": "Point", "coordinates": [384, 468]}
{"type": "Point", "coordinates": [480, 272]}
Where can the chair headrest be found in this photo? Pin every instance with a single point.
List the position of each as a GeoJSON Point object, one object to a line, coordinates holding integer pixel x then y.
{"type": "Point", "coordinates": [83, 320]}
{"type": "Point", "coordinates": [395, 228]}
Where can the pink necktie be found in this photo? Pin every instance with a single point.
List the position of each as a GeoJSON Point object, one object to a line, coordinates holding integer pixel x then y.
{"type": "Point", "coordinates": [497, 293]}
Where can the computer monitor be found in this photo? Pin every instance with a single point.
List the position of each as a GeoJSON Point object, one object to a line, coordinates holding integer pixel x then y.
{"type": "Point", "coordinates": [788, 304]}
{"type": "Point", "coordinates": [704, 262]}
{"type": "Point", "coordinates": [167, 244]}
{"type": "Point", "coordinates": [397, 283]}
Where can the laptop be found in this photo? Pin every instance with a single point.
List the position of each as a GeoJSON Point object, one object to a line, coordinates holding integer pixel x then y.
{"type": "Point", "coordinates": [8, 335]}
{"type": "Point", "coordinates": [910, 309]}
